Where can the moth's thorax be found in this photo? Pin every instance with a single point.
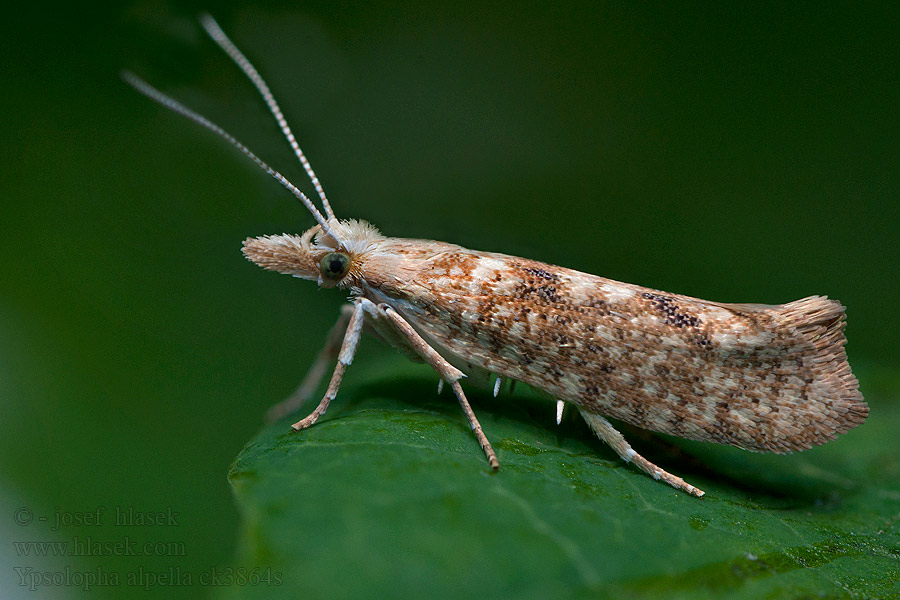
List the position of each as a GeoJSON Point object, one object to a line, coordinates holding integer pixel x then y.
{"type": "Point", "coordinates": [393, 266]}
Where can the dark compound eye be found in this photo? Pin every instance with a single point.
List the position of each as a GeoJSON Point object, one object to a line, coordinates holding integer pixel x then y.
{"type": "Point", "coordinates": [334, 265]}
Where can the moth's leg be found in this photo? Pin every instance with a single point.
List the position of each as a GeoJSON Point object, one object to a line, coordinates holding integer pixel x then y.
{"type": "Point", "coordinates": [314, 376]}
{"type": "Point", "coordinates": [447, 372]}
{"type": "Point", "coordinates": [608, 434]}
{"type": "Point", "coordinates": [348, 349]}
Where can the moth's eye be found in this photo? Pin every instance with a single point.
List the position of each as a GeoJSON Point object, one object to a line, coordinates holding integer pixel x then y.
{"type": "Point", "coordinates": [334, 265]}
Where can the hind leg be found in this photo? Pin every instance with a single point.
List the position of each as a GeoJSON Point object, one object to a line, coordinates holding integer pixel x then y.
{"type": "Point", "coordinates": [606, 432]}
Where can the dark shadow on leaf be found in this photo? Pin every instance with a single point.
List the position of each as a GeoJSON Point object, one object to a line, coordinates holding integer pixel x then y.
{"type": "Point", "coordinates": [776, 489]}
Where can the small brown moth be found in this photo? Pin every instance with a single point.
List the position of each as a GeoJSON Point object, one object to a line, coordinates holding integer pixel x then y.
{"type": "Point", "coordinates": [767, 378]}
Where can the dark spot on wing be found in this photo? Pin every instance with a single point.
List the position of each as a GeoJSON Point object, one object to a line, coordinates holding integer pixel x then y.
{"type": "Point", "coordinates": [541, 273]}
{"type": "Point", "coordinates": [667, 306]}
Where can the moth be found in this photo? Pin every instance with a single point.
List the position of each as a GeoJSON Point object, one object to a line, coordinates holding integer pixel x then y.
{"type": "Point", "coordinates": [766, 378]}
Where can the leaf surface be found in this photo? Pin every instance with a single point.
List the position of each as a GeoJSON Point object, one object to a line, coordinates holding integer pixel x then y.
{"type": "Point", "coordinates": [389, 495]}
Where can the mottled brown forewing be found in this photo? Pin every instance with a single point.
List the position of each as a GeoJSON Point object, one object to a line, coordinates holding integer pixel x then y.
{"type": "Point", "coordinates": [760, 377]}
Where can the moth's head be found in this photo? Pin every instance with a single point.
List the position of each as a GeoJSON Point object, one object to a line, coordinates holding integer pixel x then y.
{"type": "Point", "coordinates": [332, 259]}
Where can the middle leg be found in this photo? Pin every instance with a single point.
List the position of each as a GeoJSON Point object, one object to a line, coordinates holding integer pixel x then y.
{"type": "Point", "coordinates": [447, 372]}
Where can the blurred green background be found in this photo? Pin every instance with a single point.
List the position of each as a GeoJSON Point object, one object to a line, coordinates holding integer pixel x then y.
{"type": "Point", "coordinates": [739, 154]}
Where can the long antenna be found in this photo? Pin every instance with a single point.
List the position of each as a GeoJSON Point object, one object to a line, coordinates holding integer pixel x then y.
{"type": "Point", "coordinates": [176, 106]}
{"type": "Point", "coordinates": [219, 37]}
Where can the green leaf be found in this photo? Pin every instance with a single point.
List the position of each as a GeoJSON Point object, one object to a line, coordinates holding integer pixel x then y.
{"type": "Point", "coordinates": [389, 495]}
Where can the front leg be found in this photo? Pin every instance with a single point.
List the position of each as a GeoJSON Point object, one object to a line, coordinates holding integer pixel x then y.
{"type": "Point", "coordinates": [348, 350]}
{"type": "Point", "coordinates": [311, 381]}
{"type": "Point", "coordinates": [447, 372]}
